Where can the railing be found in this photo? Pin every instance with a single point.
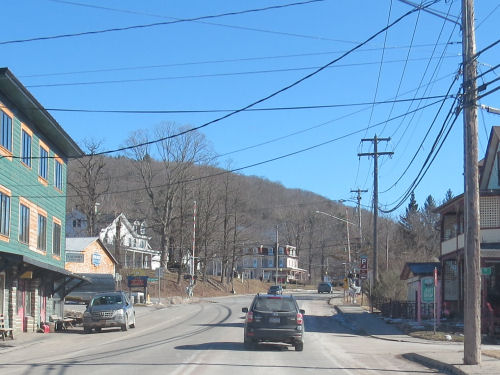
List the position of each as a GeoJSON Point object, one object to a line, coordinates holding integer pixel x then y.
{"type": "Point", "coordinates": [403, 309]}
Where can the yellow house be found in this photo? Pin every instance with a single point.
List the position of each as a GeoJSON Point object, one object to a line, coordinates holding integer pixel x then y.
{"type": "Point", "coordinates": [89, 258]}
{"type": "Point", "coordinates": [88, 255]}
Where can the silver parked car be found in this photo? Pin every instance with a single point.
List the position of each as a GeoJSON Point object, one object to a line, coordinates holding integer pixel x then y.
{"type": "Point", "coordinates": [111, 309]}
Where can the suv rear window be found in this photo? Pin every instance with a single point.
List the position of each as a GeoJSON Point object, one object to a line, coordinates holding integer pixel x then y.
{"type": "Point", "coordinates": [275, 304]}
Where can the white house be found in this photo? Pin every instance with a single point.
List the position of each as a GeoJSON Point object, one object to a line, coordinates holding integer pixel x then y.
{"type": "Point", "coordinates": [76, 224]}
{"type": "Point", "coordinates": [260, 262]}
{"type": "Point", "coordinates": [134, 250]}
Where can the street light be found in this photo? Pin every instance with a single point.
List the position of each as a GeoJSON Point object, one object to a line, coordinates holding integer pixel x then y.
{"type": "Point", "coordinates": [347, 228]}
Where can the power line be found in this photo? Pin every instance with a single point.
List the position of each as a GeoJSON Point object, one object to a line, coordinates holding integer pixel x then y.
{"type": "Point", "coordinates": [443, 97]}
{"type": "Point", "coordinates": [423, 77]}
{"type": "Point", "coordinates": [274, 93]}
{"type": "Point", "coordinates": [486, 48]}
{"type": "Point", "coordinates": [425, 137]}
{"type": "Point", "coordinates": [207, 75]}
{"type": "Point", "coordinates": [237, 27]}
{"type": "Point", "coordinates": [426, 165]}
{"type": "Point", "coordinates": [287, 108]}
{"type": "Point", "coordinates": [194, 179]}
{"type": "Point", "coordinates": [207, 62]}
{"type": "Point", "coordinates": [145, 26]}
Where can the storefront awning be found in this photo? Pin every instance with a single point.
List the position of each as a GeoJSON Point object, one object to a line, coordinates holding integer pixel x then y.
{"type": "Point", "coordinates": [34, 268]}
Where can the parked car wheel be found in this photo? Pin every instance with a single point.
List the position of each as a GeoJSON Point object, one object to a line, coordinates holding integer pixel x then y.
{"type": "Point", "coordinates": [87, 330]}
{"type": "Point", "coordinates": [133, 323]}
{"type": "Point", "coordinates": [125, 326]}
{"type": "Point", "coordinates": [98, 329]}
{"type": "Point", "coordinates": [299, 346]}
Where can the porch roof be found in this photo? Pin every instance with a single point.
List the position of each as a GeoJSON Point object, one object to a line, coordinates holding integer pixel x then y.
{"type": "Point", "coordinates": [419, 269]}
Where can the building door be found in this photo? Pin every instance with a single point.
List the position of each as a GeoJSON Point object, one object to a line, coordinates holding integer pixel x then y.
{"type": "Point", "coordinates": [2, 291]}
{"type": "Point", "coordinates": [24, 306]}
{"type": "Point", "coordinates": [20, 298]}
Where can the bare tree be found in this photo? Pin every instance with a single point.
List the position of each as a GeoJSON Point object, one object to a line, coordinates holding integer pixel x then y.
{"type": "Point", "coordinates": [89, 182]}
{"type": "Point", "coordinates": [163, 168]}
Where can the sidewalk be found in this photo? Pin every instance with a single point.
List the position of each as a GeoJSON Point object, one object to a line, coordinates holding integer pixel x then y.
{"type": "Point", "coordinates": [449, 361]}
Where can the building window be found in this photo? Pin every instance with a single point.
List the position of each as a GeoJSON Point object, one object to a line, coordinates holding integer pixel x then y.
{"type": "Point", "coordinates": [24, 224]}
{"type": "Point", "coordinates": [58, 178]}
{"type": "Point", "coordinates": [26, 149]}
{"type": "Point", "coordinates": [56, 239]}
{"type": "Point", "coordinates": [44, 162]}
{"type": "Point", "coordinates": [6, 135]}
{"type": "Point", "coordinates": [4, 214]}
{"type": "Point", "coordinates": [41, 243]}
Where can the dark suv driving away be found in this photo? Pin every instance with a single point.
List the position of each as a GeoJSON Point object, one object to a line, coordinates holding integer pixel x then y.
{"type": "Point", "coordinates": [275, 289]}
{"type": "Point", "coordinates": [274, 318]}
{"type": "Point", "coordinates": [325, 288]}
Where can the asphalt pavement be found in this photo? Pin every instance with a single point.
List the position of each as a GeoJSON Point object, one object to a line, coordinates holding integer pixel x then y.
{"type": "Point", "coordinates": [358, 320]}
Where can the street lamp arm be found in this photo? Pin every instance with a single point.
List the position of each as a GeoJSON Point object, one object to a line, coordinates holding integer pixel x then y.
{"type": "Point", "coordinates": [335, 217]}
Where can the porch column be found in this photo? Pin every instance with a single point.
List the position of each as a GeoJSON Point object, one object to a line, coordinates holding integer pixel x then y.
{"type": "Point", "coordinates": [418, 301]}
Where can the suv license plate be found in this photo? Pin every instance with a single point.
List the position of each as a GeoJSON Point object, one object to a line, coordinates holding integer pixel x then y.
{"type": "Point", "coordinates": [274, 320]}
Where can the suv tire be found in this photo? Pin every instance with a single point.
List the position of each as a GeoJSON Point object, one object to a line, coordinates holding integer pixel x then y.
{"type": "Point", "coordinates": [299, 346]}
{"type": "Point", "coordinates": [249, 344]}
{"type": "Point", "coordinates": [87, 330]}
{"type": "Point", "coordinates": [125, 326]}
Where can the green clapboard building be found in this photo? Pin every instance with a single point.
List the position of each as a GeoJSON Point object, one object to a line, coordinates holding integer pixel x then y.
{"type": "Point", "coordinates": [34, 150]}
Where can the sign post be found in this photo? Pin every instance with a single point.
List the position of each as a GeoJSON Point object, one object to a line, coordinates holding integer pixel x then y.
{"type": "Point", "coordinates": [435, 287]}
{"type": "Point", "coordinates": [363, 274]}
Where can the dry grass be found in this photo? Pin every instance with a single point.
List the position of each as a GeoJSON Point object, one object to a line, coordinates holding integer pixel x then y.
{"type": "Point", "coordinates": [170, 287]}
{"type": "Point", "coordinates": [438, 336]}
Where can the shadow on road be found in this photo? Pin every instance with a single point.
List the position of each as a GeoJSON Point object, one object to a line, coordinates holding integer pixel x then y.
{"type": "Point", "coordinates": [238, 346]}
{"type": "Point", "coordinates": [222, 325]}
{"type": "Point", "coordinates": [325, 324]}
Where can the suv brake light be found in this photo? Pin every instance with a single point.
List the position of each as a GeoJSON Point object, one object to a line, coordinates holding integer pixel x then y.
{"type": "Point", "coordinates": [300, 318]}
{"type": "Point", "coordinates": [249, 317]}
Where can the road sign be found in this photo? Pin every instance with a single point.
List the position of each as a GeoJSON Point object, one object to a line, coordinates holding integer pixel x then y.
{"type": "Point", "coordinates": [363, 267]}
{"type": "Point", "coordinates": [486, 271]}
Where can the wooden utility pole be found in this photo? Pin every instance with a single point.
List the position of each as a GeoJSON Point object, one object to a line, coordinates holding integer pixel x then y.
{"type": "Point", "coordinates": [375, 155]}
{"type": "Point", "coordinates": [358, 198]}
{"type": "Point", "coordinates": [472, 249]}
{"type": "Point", "coordinates": [277, 256]}
{"type": "Point", "coordinates": [118, 237]}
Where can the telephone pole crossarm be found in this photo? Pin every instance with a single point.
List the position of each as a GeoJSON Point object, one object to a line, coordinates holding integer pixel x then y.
{"type": "Point", "coordinates": [373, 154]}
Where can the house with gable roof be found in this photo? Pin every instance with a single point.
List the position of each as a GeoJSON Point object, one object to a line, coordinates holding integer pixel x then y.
{"type": "Point", "coordinates": [452, 239]}
{"type": "Point", "coordinates": [132, 250]}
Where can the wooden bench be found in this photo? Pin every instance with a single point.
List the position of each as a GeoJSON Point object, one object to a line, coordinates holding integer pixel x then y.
{"type": "Point", "coordinates": [5, 331]}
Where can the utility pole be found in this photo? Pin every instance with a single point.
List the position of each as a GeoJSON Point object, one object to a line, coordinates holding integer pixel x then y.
{"type": "Point", "coordinates": [358, 198]}
{"type": "Point", "coordinates": [348, 240]}
{"type": "Point", "coordinates": [277, 259]}
{"type": "Point", "coordinates": [375, 155]}
{"type": "Point", "coordinates": [472, 248]}
{"type": "Point", "coordinates": [193, 270]}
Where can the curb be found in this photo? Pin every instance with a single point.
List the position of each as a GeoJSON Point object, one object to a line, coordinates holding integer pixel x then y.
{"type": "Point", "coordinates": [433, 363]}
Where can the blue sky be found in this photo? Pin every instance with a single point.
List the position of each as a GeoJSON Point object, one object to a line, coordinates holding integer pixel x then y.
{"type": "Point", "coordinates": [229, 62]}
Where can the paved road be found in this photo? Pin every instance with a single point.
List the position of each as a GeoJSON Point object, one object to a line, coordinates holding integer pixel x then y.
{"type": "Point", "coordinates": [206, 338]}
